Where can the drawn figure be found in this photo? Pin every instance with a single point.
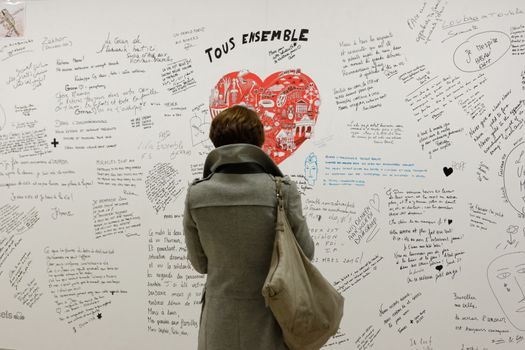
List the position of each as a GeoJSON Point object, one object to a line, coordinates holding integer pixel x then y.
{"type": "Point", "coordinates": [199, 130]}
{"type": "Point", "coordinates": [310, 169]}
{"type": "Point", "coordinates": [234, 93]}
{"type": "Point", "coordinates": [290, 112]}
{"type": "Point", "coordinates": [226, 84]}
{"type": "Point", "coordinates": [514, 178]}
{"type": "Point", "coordinates": [506, 276]}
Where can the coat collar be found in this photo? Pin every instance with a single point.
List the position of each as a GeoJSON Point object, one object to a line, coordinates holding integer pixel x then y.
{"type": "Point", "coordinates": [239, 153]}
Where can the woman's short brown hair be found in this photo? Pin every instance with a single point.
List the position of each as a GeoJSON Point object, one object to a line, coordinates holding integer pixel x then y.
{"type": "Point", "coordinates": [237, 124]}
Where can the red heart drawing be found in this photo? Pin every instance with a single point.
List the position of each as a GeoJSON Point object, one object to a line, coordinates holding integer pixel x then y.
{"type": "Point", "coordinates": [287, 103]}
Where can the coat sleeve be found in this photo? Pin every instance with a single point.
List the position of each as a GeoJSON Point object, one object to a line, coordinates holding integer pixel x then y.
{"type": "Point", "coordinates": [294, 211]}
{"type": "Point", "coordinates": [196, 254]}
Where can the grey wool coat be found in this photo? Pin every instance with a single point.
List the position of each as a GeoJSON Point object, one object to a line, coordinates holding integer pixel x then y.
{"type": "Point", "coordinates": [229, 228]}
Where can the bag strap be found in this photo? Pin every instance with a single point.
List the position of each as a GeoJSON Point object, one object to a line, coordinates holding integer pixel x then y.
{"type": "Point", "coordinates": [279, 191]}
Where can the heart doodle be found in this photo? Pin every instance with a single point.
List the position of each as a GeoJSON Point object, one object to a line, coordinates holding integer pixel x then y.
{"type": "Point", "coordinates": [374, 202]}
{"type": "Point", "coordinates": [287, 103]}
{"type": "Point", "coordinates": [447, 171]}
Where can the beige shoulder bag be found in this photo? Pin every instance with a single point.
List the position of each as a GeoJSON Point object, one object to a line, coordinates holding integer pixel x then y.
{"type": "Point", "coordinates": [307, 307]}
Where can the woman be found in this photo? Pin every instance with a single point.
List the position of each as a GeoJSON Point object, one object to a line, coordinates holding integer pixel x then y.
{"type": "Point", "coordinates": [229, 227]}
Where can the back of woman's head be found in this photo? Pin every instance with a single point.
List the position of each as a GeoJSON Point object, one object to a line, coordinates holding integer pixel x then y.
{"type": "Point", "coordinates": [237, 124]}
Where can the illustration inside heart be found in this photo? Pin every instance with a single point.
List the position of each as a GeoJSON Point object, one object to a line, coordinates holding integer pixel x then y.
{"type": "Point", "coordinates": [287, 103]}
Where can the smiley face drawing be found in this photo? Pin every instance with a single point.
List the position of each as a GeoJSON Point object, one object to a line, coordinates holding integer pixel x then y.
{"type": "Point", "coordinates": [506, 276]}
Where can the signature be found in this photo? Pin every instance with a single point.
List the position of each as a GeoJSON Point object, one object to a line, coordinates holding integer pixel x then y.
{"type": "Point", "coordinates": [57, 213]}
